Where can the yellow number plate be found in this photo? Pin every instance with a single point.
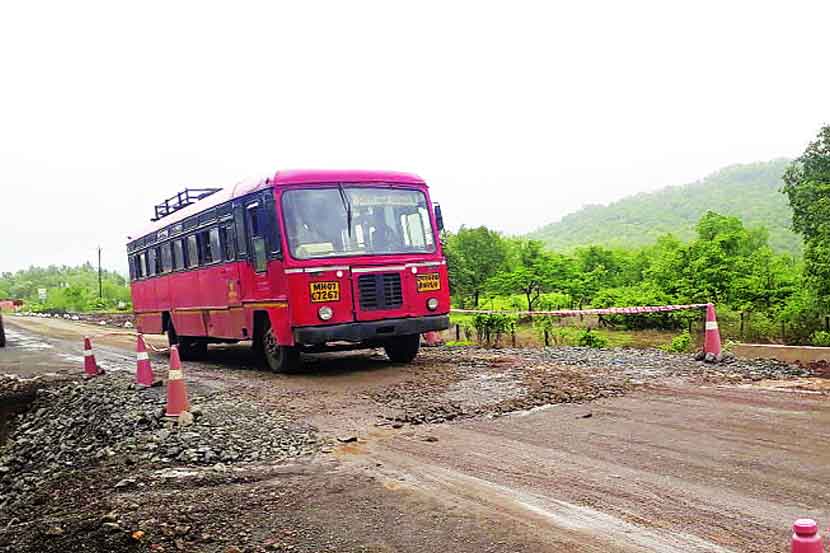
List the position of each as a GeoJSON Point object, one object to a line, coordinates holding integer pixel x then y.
{"type": "Point", "coordinates": [324, 291]}
{"type": "Point", "coordinates": [429, 282]}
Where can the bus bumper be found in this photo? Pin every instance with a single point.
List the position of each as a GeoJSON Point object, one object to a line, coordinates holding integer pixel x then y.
{"type": "Point", "coordinates": [367, 331]}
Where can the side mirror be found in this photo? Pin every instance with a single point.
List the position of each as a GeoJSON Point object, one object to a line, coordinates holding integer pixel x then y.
{"type": "Point", "coordinates": [439, 218]}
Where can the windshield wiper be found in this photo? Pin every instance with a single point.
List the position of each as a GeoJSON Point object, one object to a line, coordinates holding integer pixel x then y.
{"type": "Point", "coordinates": [348, 207]}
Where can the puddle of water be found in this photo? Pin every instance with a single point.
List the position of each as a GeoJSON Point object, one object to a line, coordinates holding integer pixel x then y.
{"type": "Point", "coordinates": [26, 342]}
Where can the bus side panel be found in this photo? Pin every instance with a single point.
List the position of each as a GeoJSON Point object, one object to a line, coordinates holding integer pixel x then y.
{"type": "Point", "coordinates": [186, 315]}
{"type": "Point", "coordinates": [189, 323]}
{"type": "Point", "coordinates": [162, 293]}
{"type": "Point", "coordinates": [148, 318]}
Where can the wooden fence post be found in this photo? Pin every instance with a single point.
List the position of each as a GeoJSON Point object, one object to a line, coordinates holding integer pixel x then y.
{"type": "Point", "coordinates": [547, 338]}
{"type": "Point", "coordinates": [742, 325]}
{"type": "Point", "coordinates": [457, 332]}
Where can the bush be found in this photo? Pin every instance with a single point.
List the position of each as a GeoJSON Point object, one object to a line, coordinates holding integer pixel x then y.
{"type": "Point", "coordinates": [589, 339]}
{"type": "Point", "coordinates": [490, 327]}
{"type": "Point", "coordinates": [681, 343]}
{"type": "Point", "coordinates": [820, 338]}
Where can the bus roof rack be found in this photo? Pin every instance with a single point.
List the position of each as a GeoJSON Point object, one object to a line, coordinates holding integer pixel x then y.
{"type": "Point", "coordinates": [181, 200]}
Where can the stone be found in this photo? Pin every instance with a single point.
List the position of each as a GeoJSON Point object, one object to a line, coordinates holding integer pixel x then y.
{"type": "Point", "coordinates": [185, 419]}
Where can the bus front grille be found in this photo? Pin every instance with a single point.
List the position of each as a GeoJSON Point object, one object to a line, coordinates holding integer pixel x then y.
{"type": "Point", "coordinates": [380, 291]}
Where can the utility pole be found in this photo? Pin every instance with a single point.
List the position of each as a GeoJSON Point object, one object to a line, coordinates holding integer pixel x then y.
{"type": "Point", "coordinates": [100, 279]}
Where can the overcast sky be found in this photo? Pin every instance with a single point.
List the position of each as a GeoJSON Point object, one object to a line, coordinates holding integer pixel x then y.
{"type": "Point", "coordinates": [516, 113]}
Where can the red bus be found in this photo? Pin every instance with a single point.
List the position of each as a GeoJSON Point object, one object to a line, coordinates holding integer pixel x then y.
{"type": "Point", "coordinates": [299, 262]}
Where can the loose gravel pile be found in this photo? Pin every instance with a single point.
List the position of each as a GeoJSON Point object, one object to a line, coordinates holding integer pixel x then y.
{"type": "Point", "coordinates": [106, 421]}
{"type": "Point", "coordinates": [493, 382]}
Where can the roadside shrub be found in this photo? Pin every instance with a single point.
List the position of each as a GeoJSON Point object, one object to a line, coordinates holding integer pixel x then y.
{"type": "Point", "coordinates": [589, 339]}
{"type": "Point", "coordinates": [820, 338]}
{"type": "Point", "coordinates": [680, 343]}
{"type": "Point", "coordinates": [491, 326]}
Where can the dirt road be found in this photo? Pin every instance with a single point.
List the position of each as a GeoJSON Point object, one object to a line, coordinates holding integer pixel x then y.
{"type": "Point", "coordinates": [467, 450]}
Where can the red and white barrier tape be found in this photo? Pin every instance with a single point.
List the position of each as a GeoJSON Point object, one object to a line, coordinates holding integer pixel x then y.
{"type": "Point", "coordinates": [604, 311]}
{"type": "Point", "coordinates": [133, 334]}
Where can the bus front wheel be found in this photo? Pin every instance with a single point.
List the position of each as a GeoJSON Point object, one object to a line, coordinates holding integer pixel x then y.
{"type": "Point", "coordinates": [403, 349]}
{"type": "Point", "coordinates": [280, 359]}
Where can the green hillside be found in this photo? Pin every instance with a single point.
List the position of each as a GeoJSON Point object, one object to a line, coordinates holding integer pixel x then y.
{"type": "Point", "coordinates": [750, 192]}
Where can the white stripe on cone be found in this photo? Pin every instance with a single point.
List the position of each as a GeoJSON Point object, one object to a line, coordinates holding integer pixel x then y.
{"type": "Point", "coordinates": [174, 375]}
{"type": "Point", "coordinates": [711, 325]}
{"type": "Point", "coordinates": [142, 356]}
{"type": "Point", "coordinates": [89, 353]}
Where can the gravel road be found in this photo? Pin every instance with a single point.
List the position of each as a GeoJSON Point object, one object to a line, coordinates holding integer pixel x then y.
{"type": "Point", "coordinates": [563, 449]}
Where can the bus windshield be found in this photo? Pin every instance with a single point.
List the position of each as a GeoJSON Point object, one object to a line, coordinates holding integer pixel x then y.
{"type": "Point", "coordinates": [383, 221]}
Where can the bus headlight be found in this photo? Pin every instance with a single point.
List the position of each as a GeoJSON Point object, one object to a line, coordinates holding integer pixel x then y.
{"type": "Point", "coordinates": [432, 304]}
{"type": "Point", "coordinates": [325, 313]}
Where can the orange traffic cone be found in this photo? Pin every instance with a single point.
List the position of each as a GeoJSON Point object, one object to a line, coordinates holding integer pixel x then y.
{"type": "Point", "coordinates": [176, 390]}
{"type": "Point", "coordinates": [806, 538]}
{"type": "Point", "coordinates": [432, 338]}
{"type": "Point", "coordinates": [91, 367]}
{"type": "Point", "coordinates": [711, 338]}
{"type": "Point", "coordinates": [143, 371]}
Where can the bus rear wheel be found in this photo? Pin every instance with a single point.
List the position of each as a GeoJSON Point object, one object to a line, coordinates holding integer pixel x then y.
{"type": "Point", "coordinates": [280, 359]}
{"type": "Point", "coordinates": [403, 349]}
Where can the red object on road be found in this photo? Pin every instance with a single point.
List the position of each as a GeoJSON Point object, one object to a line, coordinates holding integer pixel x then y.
{"type": "Point", "coordinates": [143, 371]}
{"type": "Point", "coordinates": [711, 339]}
{"type": "Point", "coordinates": [806, 538]}
{"type": "Point", "coordinates": [177, 401]}
{"type": "Point", "coordinates": [91, 367]}
{"type": "Point", "coordinates": [432, 338]}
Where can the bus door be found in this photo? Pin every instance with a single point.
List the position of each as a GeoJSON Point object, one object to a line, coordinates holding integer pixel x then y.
{"type": "Point", "coordinates": [263, 279]}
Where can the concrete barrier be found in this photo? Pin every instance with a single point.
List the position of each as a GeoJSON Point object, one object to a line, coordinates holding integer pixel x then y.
{"type": "Point", "coordinates": [787, 354]}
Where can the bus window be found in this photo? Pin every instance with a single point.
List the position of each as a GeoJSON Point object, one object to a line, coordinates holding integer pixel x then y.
{"type": "Point", "coordinates": [166, 258]}
{"type": "Point", "coordinates": [142, 265]}
{"type": "Point", "coordinates": [178, 255]}
{"type": "Point", "coordinates": [192, 252]}
{"type": "Point", "coordinates": [207, 254]}
{"type": "Point", "coordinates": [226, 237]}
{"type": "Point", "coordinates": [257, 232]}
{"type": "Point", "coordinates": [151, 262]}
{"type": "Point", "coordinates": [215, 248]}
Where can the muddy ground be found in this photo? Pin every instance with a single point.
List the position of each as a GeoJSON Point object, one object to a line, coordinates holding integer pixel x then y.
{"type": "Point", "coordinates": [465, 450]}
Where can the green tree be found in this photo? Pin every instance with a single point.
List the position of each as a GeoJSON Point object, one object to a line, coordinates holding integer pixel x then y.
{"type": "Point", "coordinates": [474, 255]}
{"type": "Point", "coordinates": [807, 186]}
{"type": "Point", "coordinates": [531, 272]}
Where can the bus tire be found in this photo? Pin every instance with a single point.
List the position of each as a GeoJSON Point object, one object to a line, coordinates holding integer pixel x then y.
{"type": "Point", "coordinates": [403, 349]}
{"type": "Point", "coordinates": [189, 348]}
{"type": "Point", "coordinates": [279, 359]}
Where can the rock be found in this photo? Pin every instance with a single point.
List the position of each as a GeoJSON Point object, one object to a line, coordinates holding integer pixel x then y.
{"type": "Point", "coordinates": [430, 439]}
{"type": "Point", "coordinates": [54, 531]}
{"type": "Point", "coordinates": [347, 439]}
{"type": "Point", "coordinates": [586, 416]}
{"type": "Point", "coordinates": [110, 517]}
{"type": "Point", "coordinates": [185, 419]}
{"type": "Point", "coordinates": [128, 324]}
{"type": "Point", "coordinates": [700, 355]}
{"type": "Point", "coordinates": [126, 483]}
{"type": "Point", "coordinates": [710, 358]}
{"type": "Point", "coordinates": [112, 527]}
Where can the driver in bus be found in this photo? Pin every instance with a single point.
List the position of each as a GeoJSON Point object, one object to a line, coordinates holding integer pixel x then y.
{"type": "Point", "coordinates": [384, 238]}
